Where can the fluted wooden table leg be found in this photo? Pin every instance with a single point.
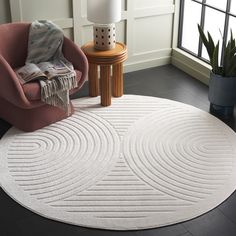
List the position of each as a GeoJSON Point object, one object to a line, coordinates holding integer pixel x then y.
{"type": "Point", "coordinates": [93, 80]}
{"type": "Point", "coordinates": [106, 59]}
{"type": "Point", "coordinates": [105, 72]}
{"type": "Point", "coordinates": [117, 85]}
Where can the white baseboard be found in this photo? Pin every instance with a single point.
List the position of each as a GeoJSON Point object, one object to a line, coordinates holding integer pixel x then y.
{"type": "Point", "coordinates": [145, 64]}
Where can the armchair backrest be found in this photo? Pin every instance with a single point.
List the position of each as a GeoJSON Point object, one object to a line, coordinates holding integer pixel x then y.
{"type": "Point", "coordinates": [14, 43]}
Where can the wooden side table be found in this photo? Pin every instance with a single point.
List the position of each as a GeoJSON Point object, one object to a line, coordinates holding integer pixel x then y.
{"type": "Point", "coordinates": [106, 59]}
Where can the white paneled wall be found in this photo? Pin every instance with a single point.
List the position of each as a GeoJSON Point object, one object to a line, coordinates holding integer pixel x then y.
{"type": "Point", "coordinates": [5, 16]}
{"type": "Point", "coordinates": [146, 26]}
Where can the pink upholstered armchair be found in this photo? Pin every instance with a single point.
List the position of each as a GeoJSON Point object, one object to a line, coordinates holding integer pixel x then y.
{"type": "Point", "coordinates": [21, 105]}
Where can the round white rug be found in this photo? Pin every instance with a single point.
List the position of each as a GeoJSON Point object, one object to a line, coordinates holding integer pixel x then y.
{"type": "Point", "coordinates": [143, 162]}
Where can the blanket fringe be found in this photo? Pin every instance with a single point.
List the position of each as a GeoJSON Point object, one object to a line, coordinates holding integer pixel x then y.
{"type": "Point", "coordinates": [61, 83]}
{"type": "Point", "coordinates": [55, 92]}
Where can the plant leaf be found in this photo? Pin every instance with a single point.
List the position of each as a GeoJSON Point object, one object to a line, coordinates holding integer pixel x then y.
{"type": "Point", "coordinates": [232, 68]}
{"type": "Point", "coordinates": [228, 67]}
{"type": "Point", "coordinates": [215, 60]}
{"type": "Point", "coordinates": [204, 40]}
{"type": "Point", "coordinates": [211, 43]}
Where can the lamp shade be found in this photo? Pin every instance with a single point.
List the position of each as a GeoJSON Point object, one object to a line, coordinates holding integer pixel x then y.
{"type": "Point", "coordinates": [104, 11]}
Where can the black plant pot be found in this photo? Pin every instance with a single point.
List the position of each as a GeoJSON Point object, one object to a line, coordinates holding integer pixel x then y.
{"type": "Point", "coordinates": [222, 95]}
{"type": "Point", "coordinates": [222, 112]}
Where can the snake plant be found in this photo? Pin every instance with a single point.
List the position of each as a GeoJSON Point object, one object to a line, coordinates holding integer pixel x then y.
{"type": "Point", "coordinates": [228, 66]}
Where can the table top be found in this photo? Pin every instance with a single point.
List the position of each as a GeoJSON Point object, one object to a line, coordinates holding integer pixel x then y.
{"type": "Point", "coordinates": [109, 57]}
{"type": "Point", "coordinates": [90, 51]}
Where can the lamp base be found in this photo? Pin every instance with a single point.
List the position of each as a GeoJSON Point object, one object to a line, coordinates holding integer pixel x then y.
{"type": "Point", "coordinates": [104, 36]}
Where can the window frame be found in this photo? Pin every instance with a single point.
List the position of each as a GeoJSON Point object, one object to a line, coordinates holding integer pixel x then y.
{"type": "Point", "coordinates": [203, 4]}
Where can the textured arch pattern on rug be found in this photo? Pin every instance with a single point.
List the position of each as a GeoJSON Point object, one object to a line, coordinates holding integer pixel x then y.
{"type": "Point", "coordinates": [143, 162]}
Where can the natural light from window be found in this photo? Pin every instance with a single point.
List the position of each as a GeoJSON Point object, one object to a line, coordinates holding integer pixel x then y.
{"type": "Point", "coordinates": [221, 4]}
{"type": "Point", "coordinates": [216, 16]}
{"type": "Point", "coordinates": [214, 24]}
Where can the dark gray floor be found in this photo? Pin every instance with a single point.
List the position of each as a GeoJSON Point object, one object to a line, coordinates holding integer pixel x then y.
{"type": "Point", "coordinates": [166, 82]}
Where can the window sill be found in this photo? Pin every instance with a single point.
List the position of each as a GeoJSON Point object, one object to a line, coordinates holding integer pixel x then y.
{"type": "Point", "coordinates": [191, 65]}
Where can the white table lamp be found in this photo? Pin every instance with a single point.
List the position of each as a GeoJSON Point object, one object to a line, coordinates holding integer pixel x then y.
{"type": "Point", "coordinates": [104, 13]}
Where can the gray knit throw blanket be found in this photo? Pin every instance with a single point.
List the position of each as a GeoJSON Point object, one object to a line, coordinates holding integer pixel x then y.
{"type": "Point", "coordinates": [45, 46]}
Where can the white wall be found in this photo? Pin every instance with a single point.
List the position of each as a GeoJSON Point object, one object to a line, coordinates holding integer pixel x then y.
{"type": "Point", "coordinates": [146, 26]}
{"type": "Point", "coordinates": [5, 15]}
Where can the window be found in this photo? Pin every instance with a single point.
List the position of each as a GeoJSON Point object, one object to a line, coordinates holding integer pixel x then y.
{"type": "Point", "coordinates": [216, 16]}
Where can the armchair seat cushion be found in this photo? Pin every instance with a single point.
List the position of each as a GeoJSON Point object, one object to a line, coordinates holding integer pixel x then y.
{"type": "Point", "coordinates": [32, 90]}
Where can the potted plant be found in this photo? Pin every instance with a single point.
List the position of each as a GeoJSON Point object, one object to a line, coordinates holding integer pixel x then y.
{"type": "Point", "coordinates": [222, 84]}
